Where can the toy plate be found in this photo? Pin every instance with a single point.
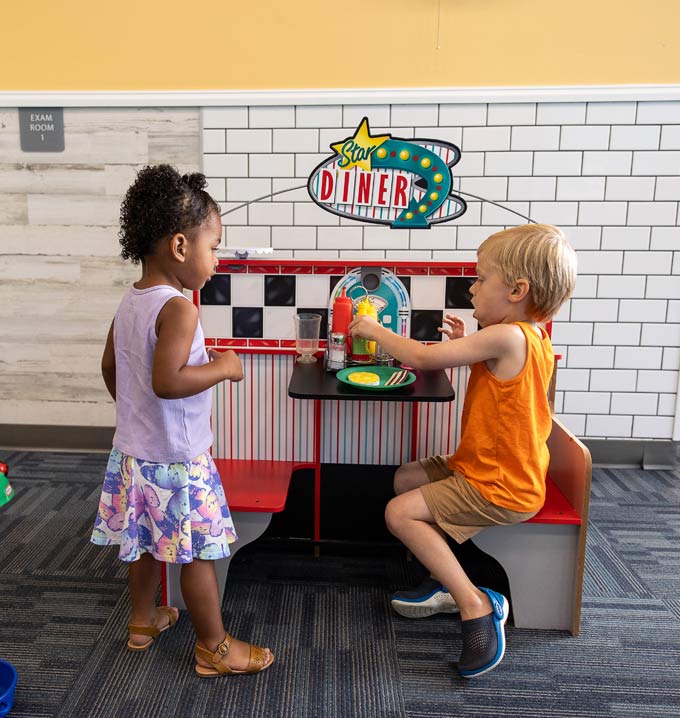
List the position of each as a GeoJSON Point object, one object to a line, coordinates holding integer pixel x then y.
{"type": "Point", "coordinates": [383, 372]}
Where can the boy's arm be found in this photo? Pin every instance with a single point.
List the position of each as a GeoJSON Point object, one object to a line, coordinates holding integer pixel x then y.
{"type": "Point", "coordinates": [109, 364]}
{"type": "Point", "coordinates": [171, 377]}
{"type": "Point", "coordinates": [493, 344]}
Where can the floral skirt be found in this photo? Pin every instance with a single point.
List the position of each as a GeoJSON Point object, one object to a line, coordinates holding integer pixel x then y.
{"type": "Point", "coordinates": [176, 512]}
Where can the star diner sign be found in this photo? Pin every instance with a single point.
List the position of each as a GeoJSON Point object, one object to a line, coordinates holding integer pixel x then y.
{"type": "Point", "coordinates": [405, 184]}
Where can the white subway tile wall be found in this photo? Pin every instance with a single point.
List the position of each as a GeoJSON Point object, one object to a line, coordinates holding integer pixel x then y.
{"type": "Point", "coordinates": [607, 172]}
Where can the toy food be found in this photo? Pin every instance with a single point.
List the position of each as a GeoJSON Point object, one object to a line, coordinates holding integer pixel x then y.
{"type": "Point", "coordinates": [367, 378]}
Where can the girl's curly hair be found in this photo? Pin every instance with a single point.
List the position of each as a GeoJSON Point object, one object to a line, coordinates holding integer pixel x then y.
{"type": "Point", "coordinates": [160, 203]}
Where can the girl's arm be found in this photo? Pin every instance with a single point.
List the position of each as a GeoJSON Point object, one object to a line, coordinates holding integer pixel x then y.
{"type": "Point", "coordinates": [171, 377]}
{"type": "Point", "coordinates": [109, 364]}
{"type": "Point", "coordinates": [502, 346]}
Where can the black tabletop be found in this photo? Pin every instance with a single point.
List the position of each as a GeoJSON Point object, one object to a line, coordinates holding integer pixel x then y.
{"type": "Point", "coordinates": [312, 381]}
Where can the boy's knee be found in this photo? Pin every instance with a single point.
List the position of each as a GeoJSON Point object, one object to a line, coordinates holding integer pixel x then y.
{"type": "Point", "coordinates": [395, 514]}
{"type": "Point", "coordinates": [391, 514]}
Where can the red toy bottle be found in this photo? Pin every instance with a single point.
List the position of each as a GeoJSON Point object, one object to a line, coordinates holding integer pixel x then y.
{"type": "Point", "coordinates": [342, 313]}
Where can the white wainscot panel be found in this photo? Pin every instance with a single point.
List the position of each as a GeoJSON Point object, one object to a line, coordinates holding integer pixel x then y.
{"type": "Point", "coordinates": [613, 379]}
{"type": "Point", "coordinates": [572, 379]}
{"type": "Point", "coordinates": [576, 423]}
{"type": "Point", "coordinates": [667, 188]}
{"type": "Point", "coordinates": [641, 310]}
{"type": "Point", "coordinates": [662, 380]}
{"type": "Point", "coordinates": [559, 163]}
{"type": "Point", "coordinates": [594, 310]}
{"type": "Point", "coordinates": [671, 358]}
{"type": "Point", "coordinates": [661, 335]}
{"type": "Point", "coordinates": [621, 286]}
{"type": "Point", "coordinates": [634, 403]}
{"type": "Point", "coordinates": [632, 137]}
{"type": "Point", "coordinates": [590, 357]}
{"type": "Point", "coordinates": [626, 238]}
{"type": "Point", "coordinates": [283, 116]}
{"type": "Point", "coordinates": [600, 262]}
{"type": "Point", "coordinates": [638, 358]}
{"type": "Point", "coordinates": [611, 427]}
{"type": "Point", "coordinates": [664, 287]}
{"type": "Point", "coordinates": [652, 427]}
{"type": "Point", "coordinates": [583, 237]}
{"type": "Point", "coordinates": [607, 163]}
{"type": "Point", "coordinates": [630, 188]}
{"type": "Point", "coordinates": [572, 333]}
{"type": "Point", "coordinates": [617, 333]}
{"type": "Point", "coordinates": [649, 262]}
{"type": "Point", "coordinates": [654, 213]}
{"type": "Point", "coordinates": [587, 402]}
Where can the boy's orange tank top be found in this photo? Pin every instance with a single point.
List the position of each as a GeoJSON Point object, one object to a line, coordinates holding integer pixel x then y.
{"type": "Point", "coordinates": [505, 427]}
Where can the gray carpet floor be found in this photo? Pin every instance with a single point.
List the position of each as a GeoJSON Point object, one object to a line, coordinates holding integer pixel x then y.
{"type": "Point", "coordinates": [340, 650]}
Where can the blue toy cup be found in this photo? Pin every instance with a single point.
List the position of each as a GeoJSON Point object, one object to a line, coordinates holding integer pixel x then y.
{"type": "Point", "coordinates": [8, 682]}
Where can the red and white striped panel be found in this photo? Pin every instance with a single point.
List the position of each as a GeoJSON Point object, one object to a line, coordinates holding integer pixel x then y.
{"type": "Point", "coordinates": [256, 419]}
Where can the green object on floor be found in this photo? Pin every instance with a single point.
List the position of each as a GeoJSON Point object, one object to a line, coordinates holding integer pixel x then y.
{"type": "Point", "coordinates": [6, 490]}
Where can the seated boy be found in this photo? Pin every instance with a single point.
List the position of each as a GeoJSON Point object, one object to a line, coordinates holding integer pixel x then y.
{"type": "Point", "coordinates": [497, 474]}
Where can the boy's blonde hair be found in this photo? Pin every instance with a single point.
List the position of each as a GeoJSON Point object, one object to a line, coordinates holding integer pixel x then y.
{"type": "Point", "coordinates": [540, 254]}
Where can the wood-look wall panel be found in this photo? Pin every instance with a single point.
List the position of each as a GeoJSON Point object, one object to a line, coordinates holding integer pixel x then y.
{"type": "Point", "coordinates": [62, 274]}
{"type": "Point", "coordinates": [72, 412]}
{"type": "Point", "coordinates": [38, 178]}
{"type": "Point", "coordinates": [14, 208]}
{"type": "Point", "coordinates": [73, 209]}
{"type": "Point", "coordinates": [58, 240]}
{"type": "Point", "coordinates": [83, 148]}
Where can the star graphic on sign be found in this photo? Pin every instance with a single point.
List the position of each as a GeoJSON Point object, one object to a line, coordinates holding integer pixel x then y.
{"type": "Point", "coordinates": [356, 151]}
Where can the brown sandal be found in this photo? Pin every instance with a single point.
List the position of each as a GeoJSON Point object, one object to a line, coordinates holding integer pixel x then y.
{"type": "Point", "coordinates": [153, 630]}
{"type": "Point", "coordinates": [218, 660]}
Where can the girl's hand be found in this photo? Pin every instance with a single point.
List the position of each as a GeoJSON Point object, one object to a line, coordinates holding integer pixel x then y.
{"type": "Point", "coordinates": [455, 327]}
{"type": "Point", "coordinates": [363, 326]}
{"type": "Point", "coordinates": [229, 361]}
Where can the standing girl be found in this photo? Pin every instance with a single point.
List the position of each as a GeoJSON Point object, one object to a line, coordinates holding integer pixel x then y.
{"type": "Point", "coordinates": [162, 498]}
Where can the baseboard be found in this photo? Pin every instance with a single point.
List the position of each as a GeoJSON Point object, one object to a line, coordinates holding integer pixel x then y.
{"type": "Point", "coordinates": [633, 452]}
{"type": "Point", "coordinates": [56, 438]}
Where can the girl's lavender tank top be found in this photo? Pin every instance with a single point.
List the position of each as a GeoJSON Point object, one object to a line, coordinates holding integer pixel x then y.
{"type": "Point", "coordinates": [148, 427]}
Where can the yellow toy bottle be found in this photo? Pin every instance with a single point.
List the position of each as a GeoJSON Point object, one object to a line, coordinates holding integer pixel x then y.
{"type": "Point", "coordinates": [363, 349]}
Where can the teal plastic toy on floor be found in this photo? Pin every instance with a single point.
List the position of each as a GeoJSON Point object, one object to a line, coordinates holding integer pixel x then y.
{"type": "Point", "coordinates": [6, 490]}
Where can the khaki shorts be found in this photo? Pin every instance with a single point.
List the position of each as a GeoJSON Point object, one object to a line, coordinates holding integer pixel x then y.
{"type": "Point", "coordinates": [457, 506]}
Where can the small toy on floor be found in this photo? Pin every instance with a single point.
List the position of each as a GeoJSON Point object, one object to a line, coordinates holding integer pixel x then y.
{"type": "Point", "coordinates": [6, 490]}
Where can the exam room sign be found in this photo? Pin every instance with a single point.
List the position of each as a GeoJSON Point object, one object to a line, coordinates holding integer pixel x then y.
{"type": "Point", "coordinates": [41, 129]}
{"type": "Point", "coordinates": [402, 183]}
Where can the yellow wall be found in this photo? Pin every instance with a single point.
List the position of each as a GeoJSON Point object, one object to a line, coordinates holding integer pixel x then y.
{"type": "Point", "coordinates": [274, 44]}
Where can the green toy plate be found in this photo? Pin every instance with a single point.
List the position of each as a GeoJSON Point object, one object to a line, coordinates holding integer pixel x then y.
{"type": "Point", "coordinates": [384, 372]}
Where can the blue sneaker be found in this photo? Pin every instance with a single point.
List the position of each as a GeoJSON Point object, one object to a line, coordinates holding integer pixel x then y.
{"type": "Point", "coordinates": [484, 638]}
{"type": "Point", "coordinates": [424, 600]}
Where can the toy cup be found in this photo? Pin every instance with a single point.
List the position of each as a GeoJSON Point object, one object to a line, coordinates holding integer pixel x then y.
{"type": "Point", "coordinates": [8, 682]}
{"type": "Point", "coordinates": [307, 328]}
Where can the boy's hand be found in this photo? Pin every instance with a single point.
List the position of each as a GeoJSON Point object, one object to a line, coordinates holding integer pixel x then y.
{"type": "Point", "coordinates": [363, 326]}
{"type": "Point", "coordinates": [229, 361]}
{"type": "Point", "coordinates": [454, 327]}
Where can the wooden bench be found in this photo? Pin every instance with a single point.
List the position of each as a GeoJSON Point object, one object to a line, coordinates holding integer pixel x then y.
{"type": "Point", "coordinates": [255, 490]}
{"type": "Point", "coordinates": [544, 557]}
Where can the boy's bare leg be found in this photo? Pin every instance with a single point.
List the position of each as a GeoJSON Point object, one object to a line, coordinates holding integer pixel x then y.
{"type": "Point", "coordinates": [201, 594]}
{"type": "Point", "coordinates": [408, 477]}
{"type": "Point", "coordinates": [144, 576]}
{"type": "Point", "coordinates": [410, 520]}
